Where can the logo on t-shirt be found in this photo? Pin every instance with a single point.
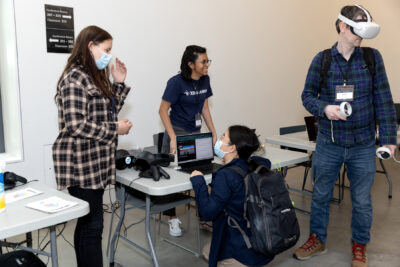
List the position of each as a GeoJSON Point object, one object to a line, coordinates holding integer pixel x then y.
{"type": "Point", "coordinates": [199, 92]}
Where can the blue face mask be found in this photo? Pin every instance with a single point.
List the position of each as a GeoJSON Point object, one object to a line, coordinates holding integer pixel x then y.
{"type": "Point", "coordinates": [217, 149]}
{"type": "Point", "coordinates": [103, 61]}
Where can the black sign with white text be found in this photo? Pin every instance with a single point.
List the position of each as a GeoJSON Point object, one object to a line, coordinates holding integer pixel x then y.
{"type": "Point", "coordinates": [59, 29]}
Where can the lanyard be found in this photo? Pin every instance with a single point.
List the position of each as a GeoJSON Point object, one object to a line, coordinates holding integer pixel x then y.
{"type": "Point", "coordinates": [344, 74]}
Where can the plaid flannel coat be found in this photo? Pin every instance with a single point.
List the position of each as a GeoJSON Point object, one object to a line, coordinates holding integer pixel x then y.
{"type": "Point", "coordinates": [84, 151]}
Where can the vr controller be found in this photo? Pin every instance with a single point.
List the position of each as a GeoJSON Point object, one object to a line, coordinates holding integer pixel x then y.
{"type": "Point", "coordinates": [155, 172]}
{"type": "Point", "coordinates": [383, 153]}
{"type": "Point", "coordinates": [345, 109]}
{"type": "Point", "coordinates": [150, 165]}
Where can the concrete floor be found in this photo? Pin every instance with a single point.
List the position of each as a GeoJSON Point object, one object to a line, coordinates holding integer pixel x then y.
{"type": "Point", "coordinates": [383, 249]}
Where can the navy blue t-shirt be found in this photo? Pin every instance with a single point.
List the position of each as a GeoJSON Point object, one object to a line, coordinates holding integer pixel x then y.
{"type": "Point", "coordinates": [187, 99]}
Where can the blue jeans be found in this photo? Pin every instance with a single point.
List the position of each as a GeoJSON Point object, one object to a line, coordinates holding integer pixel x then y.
{"type": "Point", "coordinates": [361, 166]}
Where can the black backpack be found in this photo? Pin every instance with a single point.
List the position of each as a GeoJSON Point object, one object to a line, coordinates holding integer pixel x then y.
{"type": "Point", "coordinates": [20, 258]}
{"type": "Point", "coordinates": [268, 210]}
{"type": "Point", "coordinates": [369, 58]}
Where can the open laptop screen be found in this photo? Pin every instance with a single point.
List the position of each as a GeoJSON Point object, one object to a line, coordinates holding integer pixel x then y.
{"type": "Point", "coordinates": [194, 147]}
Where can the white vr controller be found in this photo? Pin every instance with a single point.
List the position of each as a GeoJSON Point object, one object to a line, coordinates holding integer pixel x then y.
{"type": "Point", "coordinates": [383, 153]}
{"type": "Point", "coordinates": [345, 109]}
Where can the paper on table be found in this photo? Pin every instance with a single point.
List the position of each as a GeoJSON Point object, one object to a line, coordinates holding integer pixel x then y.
{"type": "Point", "coordinates": [21, 194]}
{"type": "Point", "coordinates": [51, 204]}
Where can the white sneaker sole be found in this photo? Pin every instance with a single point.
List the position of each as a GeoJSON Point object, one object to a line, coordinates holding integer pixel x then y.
{"type": "Point", "coordinates": [316, 254]}
{"type": "Point", "coordinates": [175, 234]}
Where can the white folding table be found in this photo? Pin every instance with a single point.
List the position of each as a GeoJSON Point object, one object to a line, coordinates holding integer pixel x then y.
{"type": "Point", "coordinates": [18, 219]}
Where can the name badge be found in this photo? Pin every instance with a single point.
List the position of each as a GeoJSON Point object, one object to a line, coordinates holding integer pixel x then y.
{"type": "Point", "coordinates": [198, 120]}
{"type": "Point", "coordinates": [345, 93]}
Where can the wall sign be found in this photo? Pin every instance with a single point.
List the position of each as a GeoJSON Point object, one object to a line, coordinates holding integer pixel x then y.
{"type": "Point", "coordinates": [59, 29]}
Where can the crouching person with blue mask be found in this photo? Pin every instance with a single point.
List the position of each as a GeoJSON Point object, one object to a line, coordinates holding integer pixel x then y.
{"type": "Point", "coordinates": [227, 196]}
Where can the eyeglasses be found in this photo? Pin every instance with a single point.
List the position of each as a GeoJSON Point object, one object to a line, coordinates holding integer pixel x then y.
{"type": "Point", "coordinates": [206, 62]}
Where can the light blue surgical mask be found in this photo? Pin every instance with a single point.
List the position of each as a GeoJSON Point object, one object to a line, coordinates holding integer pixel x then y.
{"type": "Point", "coordinates": [217, 149]}
{"type": "Point", "coordinates": [103, 61]}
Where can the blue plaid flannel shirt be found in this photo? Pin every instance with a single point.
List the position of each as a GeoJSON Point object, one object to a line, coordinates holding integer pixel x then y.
{"type": "Point", "coordinates": [370, 104]}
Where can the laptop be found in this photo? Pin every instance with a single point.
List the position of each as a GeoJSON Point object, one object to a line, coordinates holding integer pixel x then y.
{"type": "Point", "coordinates": [312, 127]}
{"type": "Point", "coordinates": [196, 152]}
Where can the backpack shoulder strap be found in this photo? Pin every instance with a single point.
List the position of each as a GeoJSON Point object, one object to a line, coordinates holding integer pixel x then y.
{"type": "Point", "coordinates": [234, 224]}
{"type": "Point", "coordinates": [369, 58]}
{"type": "Point", "coordinates": [325, 64]}
{"type": "Point", "coordinates": [231, 221]}
{"type": "Point", "coordinates": [238, 170]}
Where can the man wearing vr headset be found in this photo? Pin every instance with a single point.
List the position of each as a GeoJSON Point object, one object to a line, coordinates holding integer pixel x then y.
{"type": "Point", "coordinates": [349, 140]}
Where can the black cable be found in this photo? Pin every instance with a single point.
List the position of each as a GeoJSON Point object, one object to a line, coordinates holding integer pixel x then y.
{"type": "Point", "coordinates": [47, 232]}
{"type": "Point", "coordinates": [61, 233]}
{"type": "Point", "coordinates": [132, 224]}
{"type": "Point", "coordinates": [57, 235]}
{"type": "Point", "coordinates": [123, 224]}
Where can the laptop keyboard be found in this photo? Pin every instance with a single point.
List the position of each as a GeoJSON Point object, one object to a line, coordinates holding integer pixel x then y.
{"type": "Point", "coordinates": [205, 169]}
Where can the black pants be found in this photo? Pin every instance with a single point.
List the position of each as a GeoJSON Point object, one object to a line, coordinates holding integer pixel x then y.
{"type": "Point", "coordinates": [89, 228]}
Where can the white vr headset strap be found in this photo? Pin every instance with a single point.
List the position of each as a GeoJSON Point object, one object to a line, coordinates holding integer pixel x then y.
{"type": "Point", "coordinates": [366, 12]}
{"type": "Point", "coordinates": [347, 21]}
{"type": "Point", "coordinates": [351, 22]}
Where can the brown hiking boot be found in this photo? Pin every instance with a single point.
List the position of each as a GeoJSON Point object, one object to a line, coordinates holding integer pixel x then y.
{"type": "Point", "coordinates": [312, 247]}
{"type": "Point", "coordinates": [360, 256]}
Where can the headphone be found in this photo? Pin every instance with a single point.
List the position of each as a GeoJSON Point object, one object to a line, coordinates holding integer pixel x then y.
{"type": "Point", "coordinates": [11, 179]}
{"type": "Point", "coordinates": [124, 160]}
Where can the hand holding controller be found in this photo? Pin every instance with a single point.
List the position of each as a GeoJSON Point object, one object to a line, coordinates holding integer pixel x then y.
{"type": "Point", "coordinates": [345, 109]}
{"type": "Point", "coordinates": [383, 153]}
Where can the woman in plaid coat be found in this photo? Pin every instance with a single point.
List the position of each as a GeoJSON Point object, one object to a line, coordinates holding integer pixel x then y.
{"type": "Point", "coordinates": [84, 151]}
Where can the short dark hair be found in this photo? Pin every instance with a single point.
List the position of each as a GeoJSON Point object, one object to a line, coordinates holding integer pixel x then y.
{"type": "Point", "coordinates": [351, 12]}
{"type": "Point", "coordinates": [245, 140]}
{"type": "Point", "coordinates": [190, 55]}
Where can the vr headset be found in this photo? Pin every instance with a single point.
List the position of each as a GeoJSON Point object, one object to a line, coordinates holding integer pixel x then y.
{"type": "Point", "coordinates": [150, 165]}
{"type": "Point", "coordinates": [364, 29]}
{"type": "Point", "coordinates": [147, 163]}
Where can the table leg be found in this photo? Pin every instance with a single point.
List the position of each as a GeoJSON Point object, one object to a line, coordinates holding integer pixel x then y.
{"type": "Point", "coordinates": [118, 227]}
{"type": "Point", "coordinates": [53, 244]}
{"type": "Point", "coordinates": [153, 253]}
{"type": "Point", "coordinates": [29, 239]}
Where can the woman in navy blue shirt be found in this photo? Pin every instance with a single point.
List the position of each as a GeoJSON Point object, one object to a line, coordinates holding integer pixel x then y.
{"type": "Point", "coordinates": [186, 97]}
{"type": "Point", "coordinates": [228, 195]}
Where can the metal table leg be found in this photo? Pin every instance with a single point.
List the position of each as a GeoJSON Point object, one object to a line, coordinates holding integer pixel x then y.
{"type": "Point", "coordinates": [117, 229]}
{"type": "Point", "coordinates": [53, 244]}
{"type": "Point", "coordinates": [152, 251]}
